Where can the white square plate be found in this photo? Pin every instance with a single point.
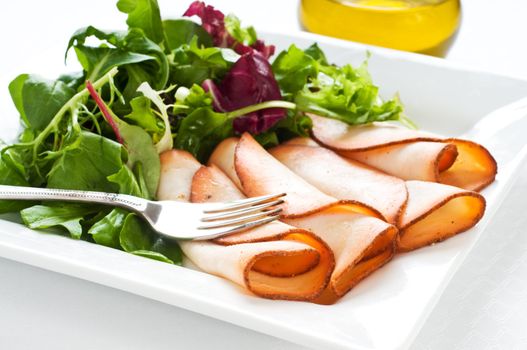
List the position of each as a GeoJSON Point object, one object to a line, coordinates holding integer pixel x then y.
{"type": "Point", "coordinates": [388, 308]}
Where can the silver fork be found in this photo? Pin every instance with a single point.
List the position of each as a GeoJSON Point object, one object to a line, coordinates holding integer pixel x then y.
{"type": "Point", "coordinates": [180, 220]}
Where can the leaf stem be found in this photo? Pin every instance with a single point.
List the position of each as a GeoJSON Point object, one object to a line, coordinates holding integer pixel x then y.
{"type": "Point", "coordinates": [71, 104]}
{"type": "Point", "coordinates": [260, 106]}
{"type": "Point", "coordinates": [108, 115]}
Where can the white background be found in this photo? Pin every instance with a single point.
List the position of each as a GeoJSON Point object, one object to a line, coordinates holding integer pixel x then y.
{"type": "Point", "coordinates": [484, 307]}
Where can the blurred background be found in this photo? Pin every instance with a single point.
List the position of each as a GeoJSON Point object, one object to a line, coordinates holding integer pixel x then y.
{"type": "Point", "coordinates": [491, 33]}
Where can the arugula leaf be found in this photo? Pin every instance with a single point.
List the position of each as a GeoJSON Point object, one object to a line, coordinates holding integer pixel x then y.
{"type": "Point", "coordinates": [51, 94]}
{"type": "Point", "coordinates": [181, 31]}
{"type": "Point", "coordinates": [246, 36]}
{"type": "Point", "coordinates": [67, 216]}
{"type": "Point", "coordinates": [144, 14]}
{"type": "Point", "coordinates": [106, 231]}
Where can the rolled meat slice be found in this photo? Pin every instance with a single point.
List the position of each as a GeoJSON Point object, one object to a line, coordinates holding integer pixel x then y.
{"type": "Point", "coordinates": [275, 261]}
{"type": "Point", "coordinates": [344, 178]}
{"type": "Point", "coordinates": [435, 212]}
{"type": "Point", "coordinates": [361, 243]}
{"type": "Point", "coordinates": [409, 154]}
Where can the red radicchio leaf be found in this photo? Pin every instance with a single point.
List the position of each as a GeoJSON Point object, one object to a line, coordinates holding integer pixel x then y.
{"type": "Point", "coordinates": [213, 21]}
{"type": "Point", "coordinates": [250, 81]}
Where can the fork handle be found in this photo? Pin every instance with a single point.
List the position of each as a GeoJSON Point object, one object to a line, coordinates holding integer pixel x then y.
{"type": "Point", "coordinates": [51, 194]}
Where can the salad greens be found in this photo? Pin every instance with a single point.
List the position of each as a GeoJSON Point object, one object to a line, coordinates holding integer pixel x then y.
{"type": "Point", "coordinates": [184, 83]}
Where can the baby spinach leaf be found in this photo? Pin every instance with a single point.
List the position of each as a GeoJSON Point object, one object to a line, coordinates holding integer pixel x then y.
{"type": "Point", "coordinates": [88, 166]}
{"type": "Point", "coordinates": [67, 216]}
{"type": "Point", "coordinates": [127, 183]}
{"type": "Point", "coordinates": [141, 150]}
{"type": "Point", "coordinates": [181, 31]}
{"type": "Point", "coordinates": [143, 14]}
{"type": "Point", "coordinates": [168, 248]}
{"type": "Point", "coordinates": [38, 99]}
{"type": "Point", "coordinates": [73, 80]}
{"type": "Point", "coordinates": [15, 89]}
{"type": "Point", "coordinates": [135, 234]}
{"type": "Point", "coordinates": [107, 230]}
{"type": "Point", "coordinates": [137, 237]}
{"type": "Point", "coordinates": [152, 255]}
{"type": "Point", "coordinates": [12, 173]}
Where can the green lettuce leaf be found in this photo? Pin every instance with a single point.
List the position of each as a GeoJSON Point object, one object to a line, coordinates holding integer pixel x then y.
{"type": "Point", "coordinates": [293, 69]}
{"type": "Point", "coordinates": [246, 36]}
{"type": "Point", "coordinates": [344, 93]}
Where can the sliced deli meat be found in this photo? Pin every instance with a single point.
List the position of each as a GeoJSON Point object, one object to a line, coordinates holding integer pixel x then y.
{"type": "Point", "coordinates": [274, 261]}
{"type": "Point", "coordinates": [344, 178]}
{"type": "Point", "coordinates": [430, 212]}
{"type": "Point", "coordinates": [409, 154]}
{"type": "Point", "coordinates": [435, 212]}
{"type": "Point", "coordinates": [361, 243]}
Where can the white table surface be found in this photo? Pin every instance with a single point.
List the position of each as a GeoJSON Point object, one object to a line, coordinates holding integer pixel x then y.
{"type": "Point", "coordinates": [484, 307]}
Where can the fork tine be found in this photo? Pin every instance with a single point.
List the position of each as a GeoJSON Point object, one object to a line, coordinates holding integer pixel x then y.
{"type": "Point", "coordinates": [215, 233]}
{"type": "Point", "coordinates": [242, 219]}
{"type": "Point", "coordinates": [244, 211]}
{"type": "Point", "coordinates": [243, 203]}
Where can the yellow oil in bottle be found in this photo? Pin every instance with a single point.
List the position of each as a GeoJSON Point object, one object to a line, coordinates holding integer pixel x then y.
{"type": "Point", "coordinates": [411, 25]}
